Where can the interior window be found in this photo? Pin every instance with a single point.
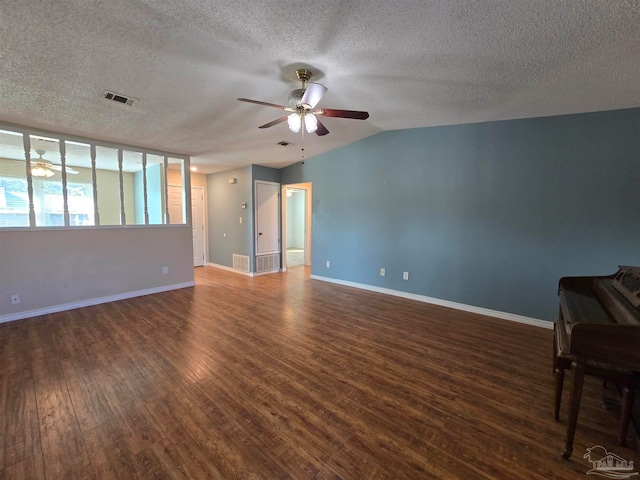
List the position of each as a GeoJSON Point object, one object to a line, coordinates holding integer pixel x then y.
{"type": "Point", "coordinates": [14, 202]}
{"type": "Point", "coordinates": [110, 206]}
{"type": "Point", "coordinates": [48, 201]}
{"type": "Point", "coordinates": [80, 194]}
{"type": "Point", "coordinates": [67, 183]}
{"type": "Point", "coordinates": [175, 190]}
{"type": "Point", "coordinates": [14, 195]}
{"type": "Point", "coordinates": [79, 200]}
{"type": "Point", "coordinates": [155, 189]}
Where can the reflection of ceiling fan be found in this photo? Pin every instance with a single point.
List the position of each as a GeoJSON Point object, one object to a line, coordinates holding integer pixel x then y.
{"type": "Point", "coordinates": [41, 167]}
{"type": "Point", "coordinates": [302, 103]}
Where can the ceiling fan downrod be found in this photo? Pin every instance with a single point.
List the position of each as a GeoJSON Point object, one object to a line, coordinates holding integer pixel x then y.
{"type": "Point", "coordinates": [304, 76]}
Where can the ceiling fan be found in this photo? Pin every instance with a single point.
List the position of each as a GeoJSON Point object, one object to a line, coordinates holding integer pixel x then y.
{"type": "Point", "coordinates": [302, 105]}
{"type": "Point", "coordinates": [41, 167]}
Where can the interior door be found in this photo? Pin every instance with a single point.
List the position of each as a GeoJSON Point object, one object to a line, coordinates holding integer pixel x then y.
{"type": "Point", "coordinates": [175, 204]}
{"type": "Point", "coordinates": [267, 206]}
{"type": "Point", "coordinates": [197, 225]}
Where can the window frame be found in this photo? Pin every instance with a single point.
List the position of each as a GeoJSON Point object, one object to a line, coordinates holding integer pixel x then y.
{"type": "Point", "coordinates": [63, 139]}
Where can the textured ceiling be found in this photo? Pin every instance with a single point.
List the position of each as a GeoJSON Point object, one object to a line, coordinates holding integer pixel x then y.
{"type": "Point", "coordinates": [409, 63]}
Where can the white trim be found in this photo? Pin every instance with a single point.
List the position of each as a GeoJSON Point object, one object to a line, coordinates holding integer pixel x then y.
{"type": "Point", "coordinates": [308, 224]}
{"type": "Point", "coordinates": [229, 269]}
{"type": "Point", "coordinates": [443, 303]}
{"type": "Point", "coordinates": [92, 301]}
{"type": "Point", "coordinates": [269, 272]}
{"type": "Point", "coordinates": [256, 234]}
{"type": "Point", "coordinates": [204, 222]}
{"type": "Point", "coordinates": [283, 227]}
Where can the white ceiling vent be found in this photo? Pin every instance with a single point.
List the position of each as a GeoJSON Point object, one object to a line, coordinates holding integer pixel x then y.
{"type": "Point", "coordinates": [116, 97]}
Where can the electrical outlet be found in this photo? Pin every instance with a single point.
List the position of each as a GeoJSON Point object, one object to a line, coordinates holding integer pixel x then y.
{"type": "Point", "coordinates": [15, 299]}
{"type": "Point", "coordinates": [165, 270]}
{"type": "Point", "coordinates": [240, 219]}
{"type": "Point", "coordinates": [383, 272]}
{"type": "Point", "coordinates": [328, 264]}
{"type": "Point", "coordinates": [405, 275]}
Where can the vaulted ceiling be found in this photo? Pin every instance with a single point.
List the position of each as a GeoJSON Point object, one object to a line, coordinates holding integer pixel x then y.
{"type": "Point", "coordinates": [408, 63]}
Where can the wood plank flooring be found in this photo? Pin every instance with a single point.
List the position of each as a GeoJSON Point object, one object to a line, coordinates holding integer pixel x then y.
{"type": "Point", "coordinates": [283, 377]}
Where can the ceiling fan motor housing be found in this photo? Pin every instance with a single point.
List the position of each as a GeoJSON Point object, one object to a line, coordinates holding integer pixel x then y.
{"type": "Point", "coordinates": [296, 96]}
{"type": "Point", "coordinates": [303, 74]}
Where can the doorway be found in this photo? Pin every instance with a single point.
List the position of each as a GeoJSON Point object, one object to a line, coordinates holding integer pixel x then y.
{"type": "Point", "coordinates": [177, 216]}
{"type": "Point", "coordinates": [296, 227]}
{"type": "Point", "coordinates": [197, 226]}
{"type": "Point", "coordinates": [267, 231]}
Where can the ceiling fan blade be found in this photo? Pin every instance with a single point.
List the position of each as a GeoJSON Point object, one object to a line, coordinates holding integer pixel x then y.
{"type": "Point", "coordinates": [329, 112]}
{"type": "Point", "coordinates": [313, 94]}
{"type": "Point", "coordinates": [275, 122]}
{"type": "Point", "coordinates": [257, 102]}
{"type": "Point", "coordinates": [322, 130]}
{"type": "Point", "coordinates": [58, 168]}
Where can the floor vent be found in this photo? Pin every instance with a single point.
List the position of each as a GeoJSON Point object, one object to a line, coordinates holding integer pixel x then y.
{"type": "Point", "coordinates": [241, 263]}
{"type": "Point", "coordinates": [268, 263]}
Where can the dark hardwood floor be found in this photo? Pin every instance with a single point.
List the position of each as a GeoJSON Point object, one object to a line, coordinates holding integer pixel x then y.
{"type": "Point", "coordinates": [279, 377]}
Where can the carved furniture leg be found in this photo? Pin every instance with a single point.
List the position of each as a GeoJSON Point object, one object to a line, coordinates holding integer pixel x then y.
{"type": "Point", "coordinates": [555, 349]}
{"type": "Point", "coordinates": [628, 394]}
{"type": "Point", "coordinates": [574, 406]}
{"type": "Point", "coordinates": [559, 374]}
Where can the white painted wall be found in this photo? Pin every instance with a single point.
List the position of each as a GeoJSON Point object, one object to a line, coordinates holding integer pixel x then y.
{"type": "Point", "coordinates": [48, 268]}
{"type": "Point", "coordinates": [295, 220]}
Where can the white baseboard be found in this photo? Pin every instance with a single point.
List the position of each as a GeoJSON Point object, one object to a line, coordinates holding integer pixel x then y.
{"type": "Point", "coordinates": [269, 272]}
{"type": "Point", "coordinates": [92, 301]}
{"type": "Point", "coordinates": [443, 303]}
{"type": "Point", "coordinates": [251, 274]}
{"type": "Point", "coordinates": [229, 269]}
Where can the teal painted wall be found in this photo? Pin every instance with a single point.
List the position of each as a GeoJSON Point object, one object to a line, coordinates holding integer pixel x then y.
{"type": "Point", "coordinates": [488, 214]}
{"type": "Point", "coordinates": [225, 209]}
{"type": "Point", "coordinates": [224, 212]}
{"type": "Point", "coordinates": [266, 174]}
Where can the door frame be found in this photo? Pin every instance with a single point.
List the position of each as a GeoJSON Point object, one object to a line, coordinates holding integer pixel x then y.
{"type": "Point", "coordinates": [204, 224]}
{"type": "Point", "coordinates": [255, 218]}
{"type": "Point", "coordinates": [308, 187]}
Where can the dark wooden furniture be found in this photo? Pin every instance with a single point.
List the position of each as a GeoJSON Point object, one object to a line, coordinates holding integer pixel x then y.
{"type": "Point", "coordinates": [598, 333]}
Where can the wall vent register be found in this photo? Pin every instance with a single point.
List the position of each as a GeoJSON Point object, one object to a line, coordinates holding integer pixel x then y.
{"type": "Point", "coordinates": [116, 97]}
{"type": "Point", "coordinates": [241, 263]}
{"type": "Point", "coordinates": [268, 263]}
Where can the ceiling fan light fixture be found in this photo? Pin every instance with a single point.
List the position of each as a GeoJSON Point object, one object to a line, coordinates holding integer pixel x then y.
{"type": "Point", "coordinates": [295, 122]}
{"type": "Point", "coordinates": [310, 123]}
{"type": "Point", "coordinates": [39, 171]}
